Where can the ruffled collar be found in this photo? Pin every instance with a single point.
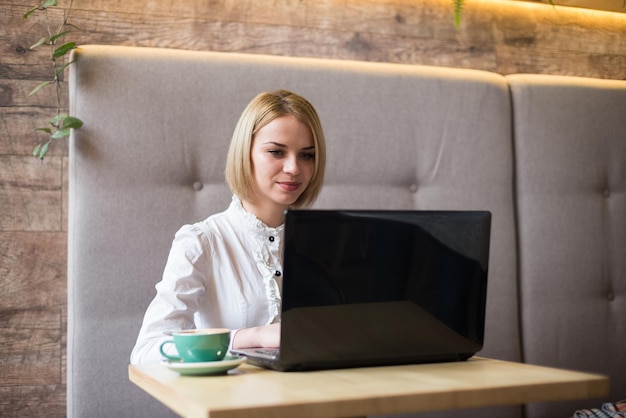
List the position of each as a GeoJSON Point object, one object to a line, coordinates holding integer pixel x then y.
{"type": "Point", "coordinates": [252, 223]}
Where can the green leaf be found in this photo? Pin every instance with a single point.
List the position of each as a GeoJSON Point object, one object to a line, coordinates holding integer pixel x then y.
{"type": "Point", "coordinates": [61, 133]}
{"type": "Point", "coordinates": [39, 43]}
{"type": "Point", "coordinates": [72, 123]}
{"type": "Point", "coordinates": [55, 121]}
{"type": "Point", "coordinates": [46, 130]}
{"type": "Point", "coordinates": [43, 150]}
{"type": "Point", "coordinates": [63, 49]}
{"type": "Point", "coordinates": [39, 87]}
{"type": "Point", "coordinates": [71, 25]}
{"type": "Point", "coordinates": [49, 3]}
{"type": "Point", "coordinates": [36, 150]}
{"type": "Point", "coordinates": [58, 35]}
{"type": "Point", "coordinates": [30, 12]}
{"type": "Point", "coordinates": [60, 70]}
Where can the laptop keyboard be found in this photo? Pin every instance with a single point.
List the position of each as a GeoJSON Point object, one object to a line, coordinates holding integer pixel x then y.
{"type": "Point", "coordinates": [272, 352]}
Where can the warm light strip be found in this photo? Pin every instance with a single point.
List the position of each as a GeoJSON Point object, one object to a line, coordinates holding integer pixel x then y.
{"type": "Point", "coordinates": [606, 5]}
{"type": "Point", "coordinates": [541, 9]}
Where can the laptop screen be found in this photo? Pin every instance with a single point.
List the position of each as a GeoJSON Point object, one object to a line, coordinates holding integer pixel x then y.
{"type": "Point", "coordinates": [383, 287]}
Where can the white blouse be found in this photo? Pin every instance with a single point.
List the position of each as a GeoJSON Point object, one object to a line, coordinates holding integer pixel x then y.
{"type": "Point", "coordinates": [223, 272]}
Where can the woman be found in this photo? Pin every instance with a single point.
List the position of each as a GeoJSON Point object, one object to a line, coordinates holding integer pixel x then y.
{"type": "Point", "coordinates": [226, 271]}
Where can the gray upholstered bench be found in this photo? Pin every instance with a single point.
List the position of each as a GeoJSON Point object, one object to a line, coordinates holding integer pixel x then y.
{"type": "Point", "coordinates": [546, 155]}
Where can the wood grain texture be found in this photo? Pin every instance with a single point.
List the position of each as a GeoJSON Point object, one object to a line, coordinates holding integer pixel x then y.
{"type": "Point", "coordinates": [610, 5]}
{"type": "Point", "coordinates": [15, 93]}
{"type": "Point", "coordinates": [31, 347]}
{"type": "Point", "coordinates": [33, 401]}
{"type": "Point", "coordinates": [30, 195]}
{"type": "Point", "coordinates": [37, 261]}
{"type": "Point", "coordinates": [32, 323]}
{"type": "Point", "coordinates": [17, 60]}
{"type": "Point", "coordinates": [504, 36]}
{"type": "Point", "coordinates": [17, 130]}
{"type": "Point", "coordinates": [478, 382]}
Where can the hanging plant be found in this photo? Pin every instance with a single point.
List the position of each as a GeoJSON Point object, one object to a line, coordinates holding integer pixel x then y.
{"type": "Point", "coordinates": [61, 124]}
{"type": "Point", "coordinates": [458, 11]}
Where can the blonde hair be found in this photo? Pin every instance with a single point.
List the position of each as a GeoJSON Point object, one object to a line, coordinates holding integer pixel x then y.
{"type": "Point", "coordinates": [263, 109]}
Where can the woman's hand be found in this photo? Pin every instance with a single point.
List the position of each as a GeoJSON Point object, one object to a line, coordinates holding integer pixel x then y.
{"type": "Point", "coordinates": [265, 336]}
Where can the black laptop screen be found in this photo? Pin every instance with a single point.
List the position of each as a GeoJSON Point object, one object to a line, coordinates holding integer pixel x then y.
{"type": "Point", "coordinates": [391, 275]}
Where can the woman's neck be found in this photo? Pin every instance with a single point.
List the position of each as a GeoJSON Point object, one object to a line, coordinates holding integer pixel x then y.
{"type": "Point", "coordinates": [271, 215]}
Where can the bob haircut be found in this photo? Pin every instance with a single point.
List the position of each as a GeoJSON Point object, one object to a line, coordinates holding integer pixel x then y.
{"type": "Point", "coordinates": [263, 109]}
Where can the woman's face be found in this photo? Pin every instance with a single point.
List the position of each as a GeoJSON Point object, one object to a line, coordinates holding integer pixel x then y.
{"type": "Point", "coordinates": [283, 162]}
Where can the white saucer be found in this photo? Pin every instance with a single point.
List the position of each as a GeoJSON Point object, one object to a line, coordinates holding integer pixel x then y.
{"type": "Point", "coordinates": [208, 368]}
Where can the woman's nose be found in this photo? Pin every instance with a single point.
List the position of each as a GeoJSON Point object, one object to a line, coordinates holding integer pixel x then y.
{"type": "Point", "coordinates": [291, 166]}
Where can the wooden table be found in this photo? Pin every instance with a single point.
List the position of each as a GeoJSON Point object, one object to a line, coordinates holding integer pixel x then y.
{"type": "Point", "coordinates": [249, 391]}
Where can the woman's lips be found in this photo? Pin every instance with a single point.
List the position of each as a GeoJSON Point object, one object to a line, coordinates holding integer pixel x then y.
{"type": "Point", "coordinates": [289, 186]}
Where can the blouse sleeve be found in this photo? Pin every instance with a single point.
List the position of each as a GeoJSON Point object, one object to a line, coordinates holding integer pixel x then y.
{"type": "Point", "coordinates": [178, 295]}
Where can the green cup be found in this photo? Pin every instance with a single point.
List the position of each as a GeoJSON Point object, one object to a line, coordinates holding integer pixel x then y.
{"type": "Point", "coordinates": [198, 345]}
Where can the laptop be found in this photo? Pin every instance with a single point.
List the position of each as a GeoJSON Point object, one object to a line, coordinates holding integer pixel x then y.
{"type": "Point", "coordinates": [371, 288]}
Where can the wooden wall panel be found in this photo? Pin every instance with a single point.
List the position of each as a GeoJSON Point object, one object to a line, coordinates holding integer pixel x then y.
{"type": "Point", "coordinates": [14, 93]}
{"type": "Point", "coordinates": [31, 347]}
{"type": "Point", "coordinates": [17, 61]}
{"type": "Point", "coordinates": [504, 36]}
{"type": "Point", "coordinates": [37, 261]}
{"type": "Point", "coordinates": [32, 323]}
{"type": "Point", "coordinates": [33, 401]}
{"type": "Point", "coordinates": [17, 129]}
{"type": "Point", "coordinates": [30, 195]}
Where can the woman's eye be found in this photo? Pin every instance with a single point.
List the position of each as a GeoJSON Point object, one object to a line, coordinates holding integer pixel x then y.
{"type": "Point", "coordinates": [276, 152]}
{"type": "Point", "coordinates": [308, 156]}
